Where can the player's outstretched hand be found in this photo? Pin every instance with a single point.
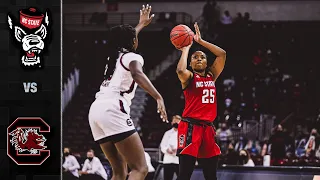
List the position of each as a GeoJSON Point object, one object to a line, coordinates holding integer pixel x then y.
{"type": "Point", "coordinates": [197, 37]}
{"type": "Point", "coordinates": [162, 110]}
{"type": "Point", "coordinates": [145, 17]}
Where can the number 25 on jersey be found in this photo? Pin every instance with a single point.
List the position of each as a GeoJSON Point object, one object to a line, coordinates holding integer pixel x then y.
{"type": "Point", "coordinates": [208, 96]}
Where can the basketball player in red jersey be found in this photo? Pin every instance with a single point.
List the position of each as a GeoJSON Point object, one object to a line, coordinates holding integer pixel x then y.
{"type": "Point", "coordinates": [196, 132]}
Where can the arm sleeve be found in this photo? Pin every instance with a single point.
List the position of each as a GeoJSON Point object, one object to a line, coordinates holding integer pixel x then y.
{"type": "Point", "coordinates": [85, 166]}
{"type": "Point", "coordinates": [164, 143]}
{"type": "Point", "coordinates": [75, 164]}
{"type": "Point", "coordinates": [129, 57]}
{"type": "Point", "coordinates": [64, 165]}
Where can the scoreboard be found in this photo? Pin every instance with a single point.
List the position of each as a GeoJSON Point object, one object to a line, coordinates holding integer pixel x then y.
{"type": "Point", "coordinates": [30, 97]}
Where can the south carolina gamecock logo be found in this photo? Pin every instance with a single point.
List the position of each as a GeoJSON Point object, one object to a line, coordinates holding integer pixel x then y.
{"type": "Point", "coordinates": [31, 34]}
{"type": "Point", "coordinates": [26, 143]}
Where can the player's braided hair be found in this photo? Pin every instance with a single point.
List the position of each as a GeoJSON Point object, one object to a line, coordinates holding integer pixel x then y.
{"type": "Point", "coordinates": [120, 39]}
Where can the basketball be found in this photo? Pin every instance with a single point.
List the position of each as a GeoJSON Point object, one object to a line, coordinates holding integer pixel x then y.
{"type": "Point", "coordinates": [181, 36]}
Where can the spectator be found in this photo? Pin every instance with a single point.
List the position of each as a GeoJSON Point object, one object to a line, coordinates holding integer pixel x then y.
{"type": "Point", "coordinates": [290, 145]}
{"type": "Point", "coordinates": [265, 150]}
{"type": "Point", "coordinates": [168, 146]}
{"type": "Point", "coordinates": [315, 133]}
{"type": "Point", "coordinates": [245, 159]}
{"type": "Point", "coordinates": [239, 18]}
{"type": "Point", "coordinates": [240, 144]}
{"type": "Point", "coordinates": [228, 103]}
{"type": "Point", "coordinates": [246, 17]}
{"type": "Point", "coordinates": [299, 135]}
{"type": "Point", "coordinates": [151, 169]}
{"type": "Point", "coordinates": [278, 143]}
{"type": "Point", "coordinates": [211, 14]}
{"type": "Point", "coordinates": [229, 83]}
{"type": "Point", "coordinates": [207, 12]}
{"type": "Point", "coordinates": [224, 135]}
{"type": "Point", "coordinates": [301, 148]}
{"type": "Point", "coordinates": [231, 155]}
{"type": "Point", "coordinates": [310, 146]}
{"type": "Point", "coordinates": [312, 143]}
{"type": "Point", "coordinates": [226, 18]}
{"type": "Point", "coordinates": [215, 12]}
{"type": "Point", "coordinates": [253, 147]}
{"type": "Point", "coordinates": [317, 153]}
{"type": "Point", "coordinates": [92, 168]}
{"type": "Point", "coordinates": [70, 165]}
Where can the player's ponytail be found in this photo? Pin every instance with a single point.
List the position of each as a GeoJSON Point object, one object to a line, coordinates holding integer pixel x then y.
{"type": "Point", "coordinates": [120, 39]}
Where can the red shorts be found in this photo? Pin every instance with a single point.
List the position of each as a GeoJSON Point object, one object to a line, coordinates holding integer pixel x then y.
{"type": "Point", "coordinates": [197, 140]}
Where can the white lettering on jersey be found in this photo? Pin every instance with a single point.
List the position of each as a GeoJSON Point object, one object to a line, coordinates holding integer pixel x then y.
{"type": "Point", "coordinates": [204, 84]}
{"type": "Point", "coordinates": [105, 83]}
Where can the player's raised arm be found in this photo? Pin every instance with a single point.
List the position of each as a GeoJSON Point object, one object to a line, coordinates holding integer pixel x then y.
{"type": "Point", "coordinates": [145, 18]}
{"type": "Point", "coordinates": [142, 80]}
{"type": "Point", "coordinates": [218, 64]}
{"type": "Point", "coordinates": [183, 73]}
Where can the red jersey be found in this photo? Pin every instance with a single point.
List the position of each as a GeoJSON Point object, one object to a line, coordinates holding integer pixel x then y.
{"type": "Point", "coordinates": [200, 98]}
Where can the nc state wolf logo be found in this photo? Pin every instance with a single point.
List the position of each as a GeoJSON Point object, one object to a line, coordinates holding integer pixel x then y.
{"type": "Point", "coordinates": [26, 143]}
{"type": "Point", "coordinates": [31, 33]}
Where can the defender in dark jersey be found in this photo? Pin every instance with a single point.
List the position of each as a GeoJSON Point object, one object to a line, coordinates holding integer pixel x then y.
{"type": "Point", "coordinates": [196, 132]}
